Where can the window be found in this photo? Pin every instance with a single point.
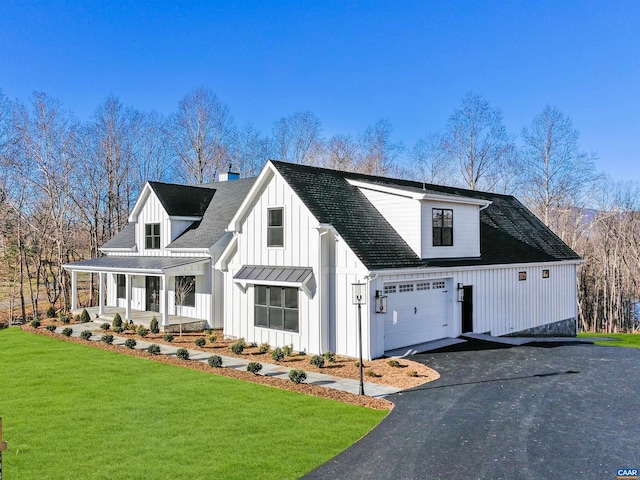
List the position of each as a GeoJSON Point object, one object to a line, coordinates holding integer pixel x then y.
{"type": "Point", "coordinates": [442, 220]}
{"type": "Point", "coordinates": [423, 286]}
{"type": "Point", "coordinates": [438, 285]}
{"type": "Point", "coordinates": [152, 236]}
{"type": "Point", "coordinates": [389, 289]}
{"type": "Point", "coordinates": [121, 286]}
{"type": "Point", "coordinates": [186, 291]}
{"type": "Point", "coordinates": [276, 307]}
{"type": "Point", "coordinates": [545, 273]}
{"type": "Point", "coordinates": [408, 287]}
{"type": "Point", "coordinates": [275, 227]}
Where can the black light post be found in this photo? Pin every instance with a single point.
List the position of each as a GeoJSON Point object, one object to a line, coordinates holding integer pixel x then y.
{"type": "Point", "coordinates": [359, 298]}
{"type": "Point", "coordinates": [3, 447]}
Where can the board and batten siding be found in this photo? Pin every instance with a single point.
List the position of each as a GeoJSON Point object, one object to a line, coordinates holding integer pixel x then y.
{"type": "Point", "coordinates": [466, 231]}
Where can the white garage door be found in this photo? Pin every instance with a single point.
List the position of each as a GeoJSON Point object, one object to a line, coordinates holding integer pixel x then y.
{"type": "Point", "coordinates": [416, 312]}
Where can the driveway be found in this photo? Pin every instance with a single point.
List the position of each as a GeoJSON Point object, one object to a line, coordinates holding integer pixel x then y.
{"type": "Point", "coordinates": [513, 413]}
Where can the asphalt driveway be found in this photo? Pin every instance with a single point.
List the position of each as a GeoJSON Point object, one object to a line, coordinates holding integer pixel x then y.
{"type": "Point", "coordinates": [514, 413]}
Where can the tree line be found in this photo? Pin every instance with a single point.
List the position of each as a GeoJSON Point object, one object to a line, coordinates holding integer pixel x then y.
{"type": "Point", "coordinates": [67, 186]}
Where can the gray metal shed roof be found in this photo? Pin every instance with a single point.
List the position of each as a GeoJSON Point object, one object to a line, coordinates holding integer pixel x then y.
{"type": "Point", "coordinates": [130, 264]}
{"type": "Point", "coordinates": [280, 275]}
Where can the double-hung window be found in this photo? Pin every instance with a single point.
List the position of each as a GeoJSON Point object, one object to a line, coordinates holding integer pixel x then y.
{"type": "Point", "coordinates": [276, 307]}
{"type": "Point", "coordinates": [121, 286]}
{"type": "Point", "coordinates": [442, 220]}
{"type": "Point", "coordinates": [275, 227]}
{"type": "Point", "coordinates": [152, 236]}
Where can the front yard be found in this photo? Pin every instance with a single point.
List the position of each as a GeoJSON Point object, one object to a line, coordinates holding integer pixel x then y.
{"type": "Point", "coordinates": [71, 411]}
{"type": "Point", "coordinates": [629, 340]}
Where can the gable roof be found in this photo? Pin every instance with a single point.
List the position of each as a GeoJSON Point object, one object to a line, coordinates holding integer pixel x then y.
{"type": "Point", "coordinates": [509, 233]}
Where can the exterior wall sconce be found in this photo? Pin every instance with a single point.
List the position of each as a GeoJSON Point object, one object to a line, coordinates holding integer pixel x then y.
{"type": "Point", "coordinates": [461, 292]}
{"type": "Point", "coordinates": [381, 302]}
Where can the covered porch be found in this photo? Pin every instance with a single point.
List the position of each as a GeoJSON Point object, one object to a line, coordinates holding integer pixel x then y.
{"type": "Point", "coordinates": [139, 288]}
{"type": "Point", "coordinates": [142, 317]}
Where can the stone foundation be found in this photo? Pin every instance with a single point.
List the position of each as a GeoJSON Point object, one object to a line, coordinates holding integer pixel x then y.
{"type": "Point", "coordinates": [563, 328]}
{"type": "Point", "coordinates": [195, 326]}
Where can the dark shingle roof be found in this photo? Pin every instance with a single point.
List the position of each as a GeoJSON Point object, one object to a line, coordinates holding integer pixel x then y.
{"type": "Point", "coordinates": [509, 233]}
{"type": "Point", "coordinates": [182, 200]}
{"type": "Point", "coordinates": [126, 238]}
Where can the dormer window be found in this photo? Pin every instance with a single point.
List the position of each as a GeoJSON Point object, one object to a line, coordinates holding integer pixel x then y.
{"type": "Point", "coordinates": [152, 236]}
{"type": "Point", "coordinates": [275, 227]}
{"type": "Point", "coordinates": [442, 227]}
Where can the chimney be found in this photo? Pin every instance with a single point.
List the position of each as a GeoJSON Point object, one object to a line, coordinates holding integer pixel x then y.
{"type": "Point", "coordinates": [228, 176]}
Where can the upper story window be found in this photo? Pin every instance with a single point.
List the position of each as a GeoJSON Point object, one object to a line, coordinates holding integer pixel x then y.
{"type": "Point", "coordinates": [152, 236]}
{"type": "Point", "coordinates": [442, 227]}
{"type": "Point", "coordinates": [275, 227]}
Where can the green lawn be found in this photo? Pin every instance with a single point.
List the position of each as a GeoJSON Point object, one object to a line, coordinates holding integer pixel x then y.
{"type": "Point", "coordinates": [74, 412]}
{"type": "Point", "coordinates": [630, 340]}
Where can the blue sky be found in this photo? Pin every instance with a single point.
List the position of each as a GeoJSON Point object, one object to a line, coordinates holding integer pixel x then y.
{"type": "Point", "coordinates": [350, 63]}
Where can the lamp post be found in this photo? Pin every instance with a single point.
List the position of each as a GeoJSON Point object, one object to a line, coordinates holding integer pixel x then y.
{"type": "Point", "coordinates": [3, 447]}
{"type": "Point", "coordinates": [359, 298]}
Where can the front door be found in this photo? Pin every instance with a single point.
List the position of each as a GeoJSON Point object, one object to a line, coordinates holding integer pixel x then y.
{"type": "Point", "coordinates": [152, 285]}
{"type": "Point", "coordinates": [467, 309]}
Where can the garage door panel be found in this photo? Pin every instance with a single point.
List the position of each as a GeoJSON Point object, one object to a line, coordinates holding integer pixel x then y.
{"type": "Point", "coordinates": [416, 316]}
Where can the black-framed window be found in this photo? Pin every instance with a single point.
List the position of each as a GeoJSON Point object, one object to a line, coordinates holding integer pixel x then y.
{"type": "Point", "coordinates": [121, 286]}
{"type": "Point", "coordinates": [442, 220]}
{"type": "Point", "coordinates": [276, 307]}
{"type": "Point", "coordinates": [152, 236]}
{"type": "Point", "coordinates": [275, 227]}
{"type": "Point", "coordinates": [185, 291]}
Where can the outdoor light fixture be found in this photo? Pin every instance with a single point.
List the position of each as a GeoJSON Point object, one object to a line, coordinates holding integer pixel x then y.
{"type": "Point", "coordinates": [461, 292]}
{"type": "Point", "coordinates": [381, 302]}
{"type": "Point", "coordinates": [359, 298]}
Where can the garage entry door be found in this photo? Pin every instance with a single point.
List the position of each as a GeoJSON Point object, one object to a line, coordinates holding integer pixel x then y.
{"type": "Point", "coordinates": [416, 312]}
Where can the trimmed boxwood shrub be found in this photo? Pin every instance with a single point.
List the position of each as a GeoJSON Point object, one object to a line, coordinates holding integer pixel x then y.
{"type": "Point", "coordinates": [130, 343]}
{"type": "Point", "coordinates": [200, 342]}
{"type": "Point", "coordinates": [35, 323]}
{"type": "Point", "coordinates": [84, 316]}
{"type": "Point", "coordinates": [85, 334]}
{"type": "Point", "coordinates": [51, 312]}
{"type": "Point", "coordinates": [412, 373]}
{"type": "Point", "coordinates": [215, 361]}
{"type": "Point", "coordinates": [213, 338]}
{"type": "Point", "coordinates": [117, 329]}
{"type": "Point", "coordinates": [182, 354]}
{"type": "Point", "coordinates": [153, 326]}
{"type": "Point", "coordinates": [254, 367]}
{"type": "Point", "coordinates": [105, 326]}
{"type": "Point", "coordinates": [297, 376]}
{"type": "Point", "coordinates": [277, 354]}
{"type": "Point", "coordinates": [64, 318]}
{"type": "Point", "coordinates": [394, 363]}
{"type": "Point", "coordinates": [371, 373]}
{"type": "Point", "coordinates": [117, 321]}
{"type": "Point", "coordinates": [329, 356]}
{"type": "Point", "coordinates": [238, 347]}
{"type": "Point", "coordinates": [107, 338]}
{"type": "Point", "coordinates": [288, 350]}
{"type": "Point", "coordinates": [154, 349]}
{"type": "Point", "coordinates": [51, 328]}
{"type": "Point", "coordinates": [317, 361]}
{"type": "Point", "coordinates": [67, 331]}
{"type": "Point", "coordinates": [167, 337]}
{"type": "Point", "coordinates": [143, 331]}
{"type": "Point", "coordinates": [264, 348]}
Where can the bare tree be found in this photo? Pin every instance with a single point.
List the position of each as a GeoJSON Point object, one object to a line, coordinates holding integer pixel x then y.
{"type": "Point", "coordinates": [341, 153]}
{"type": "Point", "coordinates": [297, 139]}
{"type": "Point", "coordinates": [477, 141]}
{"type": "Point", "coordinates": [251, 151]}
{"type": "Point", "coordinates": [201, 133]}
{"type": "Point", "coordinates": [430, 161]}
{"type": "Point", "coordinates": [378, 152]}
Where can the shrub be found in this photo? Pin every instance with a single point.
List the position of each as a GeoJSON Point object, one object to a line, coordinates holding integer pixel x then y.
{"type": "Point", "coordinates": [85, 334]}
{"type": "Point", "coordinates": [317, 361]}
{"type": "Point", "coordinates": [154, 349]}
{"type": "Point", "coordinates": [117, 321]}
{"type": "Point", "coordinates": [277, 354]}
{"type": "Point", "coordinates": [105, 326]}
{"type": "Point", "coordinates": [35, 323]}
{"type": "Point", "coordinates": [213, 338]}
{"type": "Point", "coordinates": [143, 331]}
{"type": "Point", "coordinates": [200, 342]}
{"type": "Point", "coordinates": [182, 354]}
{"type": "Point", "coordinates": [371, 373]}
{"type": "Point", "coordinates": [215, 361]}
{"type": "Point", "coordinates": [297, 376]}
{"type": "Point", "coordinates": [254, 367]}
{"type": "Point", "coordinates": [153, 326]}
{"type": "Point", "coordinates": [107, 338]}
{"type": "Point", "coordinates": [67, 331]}
{"type": "Point", "coordinates": [51, 312]}
{"type": "Point", "coordinates": [238, 347]}
{"type": "Point", "coordinates": [167, 337]}
{"type": "Point", "coordinates": [357, 364]}
{"type": "Point", "coordinates": [394, 363]}
{"type": "Point", "coordinates": [287, 350]}
{"type": "Point", "coordinates": [412, 373]}
{"type": "Point", "coordinates": [208, 331]}
{"type": "Point", "coordinates": [329, 356]}
{"type": "Point", "coordinates": [84, 316]}
{"type": "Point", "coordinates": [117, 329]}
{"type": "Point", "coordinates": [264, 348]}
{"type": "Point", "coordinates": [130, 343]}
{"type": "Point", "coordinates": [51, 328]}
{"type": "Point", "coordinates": [64, 318]}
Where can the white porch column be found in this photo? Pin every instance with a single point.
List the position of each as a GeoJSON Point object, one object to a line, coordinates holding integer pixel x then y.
{"type": "Point", "coordinates": [74, 290]}
{"type": "Point", "coordinates": [101, 294]}
{"type": "Point", "coordinates": [127, 283]}
{"type": "Point", "coordinates": [165, 300]}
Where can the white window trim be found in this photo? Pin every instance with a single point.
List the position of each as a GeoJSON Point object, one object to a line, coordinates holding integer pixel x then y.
{"type": "Point", "coordinates": [284, 231]}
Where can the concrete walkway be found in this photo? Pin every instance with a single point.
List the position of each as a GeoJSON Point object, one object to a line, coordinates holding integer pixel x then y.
{"type": "Point", "coordinates": [268, 369]}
